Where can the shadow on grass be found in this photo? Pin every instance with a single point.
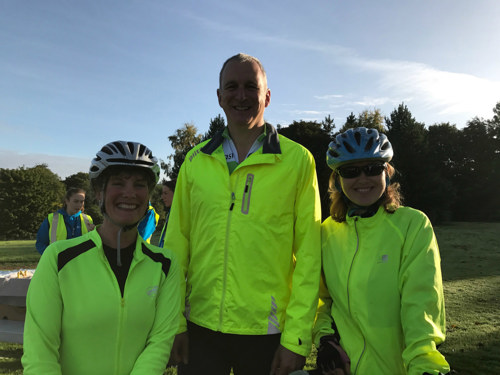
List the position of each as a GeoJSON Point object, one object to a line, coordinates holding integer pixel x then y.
{"type": "Point", "coordinates": [483, 360]}
{"type": "Point", "coordinates": [469, 250]}
{"type": "Point", "coordinates": [10, 359]}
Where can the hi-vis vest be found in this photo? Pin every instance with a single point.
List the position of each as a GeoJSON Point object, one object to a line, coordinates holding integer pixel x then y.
{"type": "Point", "coordinates": [57, 226]}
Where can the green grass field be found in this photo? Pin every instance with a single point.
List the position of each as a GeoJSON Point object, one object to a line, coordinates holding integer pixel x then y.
{"type": "Point", "coordinates": [470, 255]}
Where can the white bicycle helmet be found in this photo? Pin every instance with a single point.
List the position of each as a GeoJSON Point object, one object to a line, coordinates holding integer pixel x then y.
{"type": "Point", "coordinates": [122, 153]}
{"type": "Point", "coordinates": [358, 144]}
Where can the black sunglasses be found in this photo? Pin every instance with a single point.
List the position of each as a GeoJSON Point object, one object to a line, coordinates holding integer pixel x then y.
{"type": "Point", "coordinates": [352, 171]}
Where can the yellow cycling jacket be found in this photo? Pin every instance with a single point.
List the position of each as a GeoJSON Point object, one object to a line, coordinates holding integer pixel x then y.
{"type": "Point", "coordinates": [79, 323]}
{"type": "Point", "coordinates": [249, 241]}
{"type": "Point", "coordinates": [385, 292]}
{"type": "Point", "coordinates": [57, 227]}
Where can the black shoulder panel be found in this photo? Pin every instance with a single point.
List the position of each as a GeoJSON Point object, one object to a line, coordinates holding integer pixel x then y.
{"type": "Point", "coordinates": [214, 143]}
{"type": "Point", "coordinates": [158, 257]}
{"type": "Point", "coordinates": [72, 252]}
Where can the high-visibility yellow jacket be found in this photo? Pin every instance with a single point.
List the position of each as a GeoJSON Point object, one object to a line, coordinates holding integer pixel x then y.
{"type": "Point", "coordinates": [78, 322]}
{"type": "Point", "coordinates": [57, 226]}
{"type": "Point", "coordinates": [60, 225]}
{"type": "Point", "coordinates": [249, 241]}
{"type": "Point", "coordinates": [385, 292]}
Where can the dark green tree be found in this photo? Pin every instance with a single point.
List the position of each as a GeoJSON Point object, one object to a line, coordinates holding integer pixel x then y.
{"type": "Point", "coordinates": [445, 159]}
{"type": "Point", "coordinates": [78, 180]}
{"type": "Point", "coordinates": [27, 196]}
{"type": "Point", "coordinates": [350, 123]}
{"type": "Point", "coordinates": [494, 135]}
{"type": "Point", "coordinates": [411, 159]}
{"type": "Point", "coordinates": [216, 124]}
{"type": "Point", "coordinates": [328, 125]}
{"type": "Point", "coordinates": [182, 141]}
{"type": "Point", "coordinates": [315, 138]}
{"type": "Point", "coordinates": [480, 175]}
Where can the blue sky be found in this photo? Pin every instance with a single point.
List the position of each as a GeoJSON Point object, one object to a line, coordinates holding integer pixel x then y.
{"type": "Point", "coordinates": [75, 75]}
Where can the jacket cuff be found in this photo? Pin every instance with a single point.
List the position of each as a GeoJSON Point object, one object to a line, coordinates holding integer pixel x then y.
{"type": "Point", "coordinates": [298, 345]}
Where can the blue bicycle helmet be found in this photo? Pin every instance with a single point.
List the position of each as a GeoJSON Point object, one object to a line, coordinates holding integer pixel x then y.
{"type": "Point", "coordinates": [358, 144]}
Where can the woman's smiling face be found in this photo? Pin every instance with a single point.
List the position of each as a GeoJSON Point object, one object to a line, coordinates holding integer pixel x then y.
{"type": "Point", "coordinates": [126, 197]}
{"type": "Point", "coordinates": [364, 190]}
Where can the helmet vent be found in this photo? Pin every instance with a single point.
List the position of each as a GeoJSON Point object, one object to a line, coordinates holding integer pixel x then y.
{"type": "Point", "coordinates": [385, 146]}
{"type": "Point", "coordinates": [107, 150]}
{"type": "Point", "coordinates": [333, 153]}
{"type": "Point", "coordinates": [357, 136]}
{"type": "Point", "coordinates": [349, 147]}
{"type": "Point", "coordinates": [369, 144]}
{"type": "Point", "coordinates": [120, 148]}
{"type": "Point", "coordinates": [141, 149]}
{"type": "Point", "coordinates": [113, 147]}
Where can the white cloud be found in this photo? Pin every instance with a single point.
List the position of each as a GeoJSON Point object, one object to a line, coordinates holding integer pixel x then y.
{"type": "Point", "coordinates": [307, 112]}
{"type": "Point", "coordinates": [446, 92]}
{"type": "Point", "coordinates": [328, 97]}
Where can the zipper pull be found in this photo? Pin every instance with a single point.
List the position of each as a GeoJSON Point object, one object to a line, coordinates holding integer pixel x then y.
{"type": "Point", "coordinates": [233, 198]}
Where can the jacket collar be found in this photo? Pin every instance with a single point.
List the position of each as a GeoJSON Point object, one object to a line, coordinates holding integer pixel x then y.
{"type": "Point", "coordinates": [271, 142]}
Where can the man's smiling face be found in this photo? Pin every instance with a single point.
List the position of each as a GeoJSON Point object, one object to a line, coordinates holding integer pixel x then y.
{"type": "Point", "coordinates": [243, 94]}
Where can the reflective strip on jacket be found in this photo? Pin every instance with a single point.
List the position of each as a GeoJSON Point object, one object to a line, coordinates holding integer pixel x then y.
{"type": "Point", "coordinates": [57, 226]}
{"type": "Point", "coordinates": [78, 322]}
{"type": "Point", "coordinates": [249, 241]}
{"type": "Point", "coordinates": [385, 292]}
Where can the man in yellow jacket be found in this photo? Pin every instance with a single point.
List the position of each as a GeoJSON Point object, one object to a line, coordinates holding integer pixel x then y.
{"type": "Point", "coordinates": [245, 224]}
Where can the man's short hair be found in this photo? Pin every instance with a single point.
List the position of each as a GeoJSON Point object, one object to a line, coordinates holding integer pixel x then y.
{"type": "Point", "coordinates": [242, 57]}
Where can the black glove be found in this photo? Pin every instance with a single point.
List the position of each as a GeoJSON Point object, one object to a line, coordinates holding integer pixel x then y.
{"type": "Point", "coordinates": [331, 355]}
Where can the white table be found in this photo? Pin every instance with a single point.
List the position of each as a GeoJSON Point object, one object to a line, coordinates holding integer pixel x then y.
{"type": "Point", "coordinates": [13, 289]}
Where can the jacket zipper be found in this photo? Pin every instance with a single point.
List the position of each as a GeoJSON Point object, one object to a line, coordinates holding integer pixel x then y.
{"type": "Point", "coordinates": [226, 247]}
{"type": "Point", "coordinates": [348, 294]}
{"type": "Point", "coordinates": [121, 310]}
{"type": "Point", "coordinates": [119, 341]}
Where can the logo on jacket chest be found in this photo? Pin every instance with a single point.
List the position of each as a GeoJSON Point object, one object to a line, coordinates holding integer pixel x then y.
{"type": "Point", "coordinates": [152, 291]}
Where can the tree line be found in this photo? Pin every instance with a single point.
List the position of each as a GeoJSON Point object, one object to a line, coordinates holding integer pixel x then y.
{"type": "Point", "coordinates": [451, 174]}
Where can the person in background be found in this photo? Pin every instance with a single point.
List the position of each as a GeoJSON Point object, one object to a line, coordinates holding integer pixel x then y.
{"type": "Point", "coordinates": [67, 222]}
{"type": "Point", "coordinates": [106, 302]}
{"type": "Point", "coordinates": [245, 225]}
{"type": "Point", "coordinates": [147, 225]}
{"type": "Point", "coordinates": [382, 309]}
{"type": "Point", "coordinates": [167, 195]}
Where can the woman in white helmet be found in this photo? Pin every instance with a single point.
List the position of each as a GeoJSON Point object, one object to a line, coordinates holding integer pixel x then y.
{"type": "Point", "coordinates": [106, 302]}
{"type": "Point", "coordinates": [382, 311]}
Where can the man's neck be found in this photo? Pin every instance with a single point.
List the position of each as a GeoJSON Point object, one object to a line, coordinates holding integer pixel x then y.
{"type": "Point", "coordinates": [244, 138]}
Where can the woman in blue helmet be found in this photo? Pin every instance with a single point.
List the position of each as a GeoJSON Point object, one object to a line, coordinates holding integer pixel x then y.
{"type": "Point", "coordinates": [381, 304]}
